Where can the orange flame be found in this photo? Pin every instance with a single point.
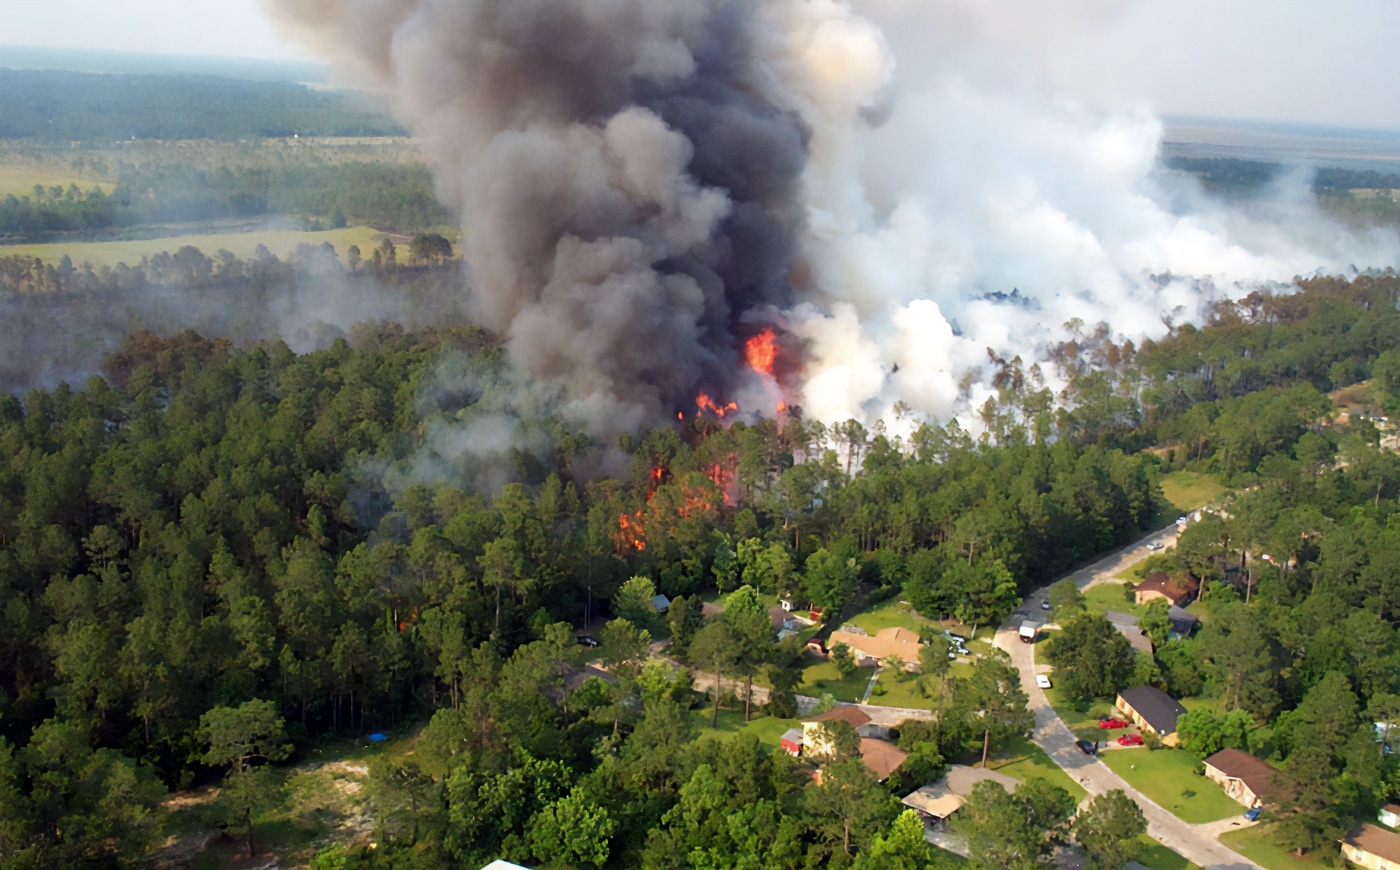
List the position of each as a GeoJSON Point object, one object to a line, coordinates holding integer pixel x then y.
{"type": "Point", "coordinates": [761, 351]}
{"type": "Point", "coordinates": [630, 533]}
{"type": "Point", "coordinates": [705, 403]}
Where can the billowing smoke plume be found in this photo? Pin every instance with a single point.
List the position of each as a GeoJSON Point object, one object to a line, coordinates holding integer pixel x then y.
{"type": "Point", "coordinates": [644, 185]}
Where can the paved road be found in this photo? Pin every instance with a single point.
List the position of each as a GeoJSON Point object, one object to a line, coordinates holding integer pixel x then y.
{"type": "Point", "coordinates": [1196, 843]}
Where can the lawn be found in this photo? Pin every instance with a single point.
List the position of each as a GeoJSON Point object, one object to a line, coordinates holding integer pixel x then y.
{"type": "Point", "coordinates": [1260, 845]}
{"type": "Point", "coordinates": [1110, 596]}
{"type": "Point", "coordinates": [1024, 760]}
{"type": "Point", "coordinates": [890, 613]}
{"type": "Point", "coordinates": [1084, 723]}
{"type": "Point", "coordinates": [1159, 857]}
{"type": "Point", "coordinates": [821, 678]}
{"type": "Point", "coordinates": [901, 689]}
{"type": "Point", "coordinates": [1188, 490]}
{"type": "Point", "coordinates": [279, 242]}
{"type": "Point", "coordinates": [768, 729]}
{"type": "Point", "coordinates": [1168, 777]}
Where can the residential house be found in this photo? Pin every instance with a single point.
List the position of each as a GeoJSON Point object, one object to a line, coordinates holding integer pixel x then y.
{"type": "Point", "coordinates": [937, 801]}
{"type": "Point", "coordinates": [1180, 591]}
{"type": "Point", "coordinates": [1373, 847]}
{"type": "Point", "coordinates": [858, 719]}
{"type": "Point", "coordinates": [899, 642]}
{"type": "Point", "coordinates": [1152, 710]}
{"type": "Point", "coordinates": [503, 865]}
{"type": "Point", "coordinates": [792, 741]}
{"type": "Point", "coordinates": [882, 757]}
{"type": "Point", "coordinates": [1245, 778]}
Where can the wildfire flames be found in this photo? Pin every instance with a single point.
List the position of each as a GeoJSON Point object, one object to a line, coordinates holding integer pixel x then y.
{"type": "Point", "coordinates": [761, 351]}
{"type": "Point", "coordinates": [705, 403]}
{"type": "Point", "coordinates": [685, 502]}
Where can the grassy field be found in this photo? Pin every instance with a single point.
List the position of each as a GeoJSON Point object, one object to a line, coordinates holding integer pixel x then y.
{"type": "Point", "coordinates": [1168, 777]}
{"type": "Point", "coordinates": [1159, 857]}
{"type": "Point", "coordinates": [1188, 490]}
{"type": "Point", "coordinates": [18, 179]}
{"type": "Point", "coordinates": [1260, 844]}
{"type": "Point", "coordinates": [1024, 760]}
{"type": "Point", "coordinates": [279, 242]}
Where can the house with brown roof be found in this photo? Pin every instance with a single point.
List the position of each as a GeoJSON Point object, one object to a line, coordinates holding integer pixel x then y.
{"type": "Point", "coordinates": [1153, 710]}
{"type": "Point", "coordinates": [900, 642]}
{"type": "Point", "coordinates": [1373, 847]}
{"type": "Point", "coordinates": [1245, 778]}
{"type": "Point", "coordinates": [814, 744]}
{"type": "Point", "coordinates": [882, 757]}
{"type": "Point", "coordinates": [1179, 591]}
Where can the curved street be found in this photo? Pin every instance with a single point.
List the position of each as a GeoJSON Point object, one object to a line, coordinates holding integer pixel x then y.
{"type": "Point", "coordinates": [1195, 843]}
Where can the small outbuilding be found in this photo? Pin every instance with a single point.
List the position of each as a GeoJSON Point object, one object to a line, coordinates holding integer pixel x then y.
{"type": "Point", "coordinates": [661, 603]}
{"type": "Point", "coordinates": [1184, 622]}
{"type": "Point", "coordinates": [1153, 710]}
{"type": "Point", "coordinates": [792, 741]}
{"type": "Point", "coordinates": [1245, 778]}
{"type": "Point", "coordinates": [1389, 816]}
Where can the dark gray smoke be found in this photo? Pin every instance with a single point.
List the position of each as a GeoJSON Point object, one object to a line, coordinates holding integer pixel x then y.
{"type": "Point", "coordinates": [626, 175]}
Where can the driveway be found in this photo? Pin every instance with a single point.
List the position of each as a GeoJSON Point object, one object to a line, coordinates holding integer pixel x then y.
{"type": "Point", "coordinates": [1195, 843]}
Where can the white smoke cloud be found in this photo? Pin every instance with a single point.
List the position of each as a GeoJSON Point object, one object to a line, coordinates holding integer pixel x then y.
{"type": "Point", "coordinates": [637, 178]}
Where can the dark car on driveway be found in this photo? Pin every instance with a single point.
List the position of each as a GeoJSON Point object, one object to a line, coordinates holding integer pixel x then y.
{"type": "Point", "coordinates": [1087, 747]}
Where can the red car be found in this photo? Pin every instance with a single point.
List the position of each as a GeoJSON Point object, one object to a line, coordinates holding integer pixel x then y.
{"type": "Point", "coordinates": [1130, 740]}
{"type": "Point", "coordinates": [1112, 723]}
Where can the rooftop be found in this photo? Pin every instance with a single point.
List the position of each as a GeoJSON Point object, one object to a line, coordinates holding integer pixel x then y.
{"type": "Point", "coordinates": [1253, 772]}
{"type": "Point", "coordinates": [881, 757]}
{"type": "Point", "coordinates": [1378, 841]}
{"type": "Point", "coordinates": [854, 716]}
{"type": "Point", "coordinates": [1159, 709]}
{"type": "Point", "coordinates": [887, 642]}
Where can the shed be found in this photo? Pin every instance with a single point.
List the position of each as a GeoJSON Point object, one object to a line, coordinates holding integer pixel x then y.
{"type": "Point", "coordinates": [1152, 709]}
{"type": "Point", "coordinates": [661, 603]}
{"type": "Point", "coordinates": [1245, 778]}
{"type": "Point", "coordinates": [792, 741]}
{"type": "Point", "coordinates": [1389, 816]}
{"type": "Point", "coordinates": [1184, 622]}
{"type": "Point", "coordinates": [1373, 847]}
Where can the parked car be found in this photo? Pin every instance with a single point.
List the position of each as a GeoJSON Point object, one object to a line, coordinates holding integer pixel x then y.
{"type": "Point", "coordinates": [1042, 681]}
{"type": "Point", "coordinates": [585, 640]}
{"type": "Point", "coordinates": [1253, 814]}
{"type": "Point", "coordinates": [1087, 747]}
{"type": "Point", "coordinates": [1130, 740]}
{"type": "Point", "coordinates": [1154, 546]}
{"type": "Point", "coordinates": [1112, 723]}
{"type": "Point", "coordinates": [1045, 605]}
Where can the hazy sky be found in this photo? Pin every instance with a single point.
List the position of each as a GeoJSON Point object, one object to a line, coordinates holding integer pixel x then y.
{"type": "Point", "coordinates": [1291, 60]}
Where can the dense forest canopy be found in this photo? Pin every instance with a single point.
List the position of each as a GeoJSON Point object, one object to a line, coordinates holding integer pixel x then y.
{"type": "Point", "coordinates": [207, 526]}
{"type": "Point", "coordinates": [63, 107]}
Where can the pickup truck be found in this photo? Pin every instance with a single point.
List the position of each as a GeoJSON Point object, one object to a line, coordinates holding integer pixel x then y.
{"type": "Point", "coordinates": [1028, 630]}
